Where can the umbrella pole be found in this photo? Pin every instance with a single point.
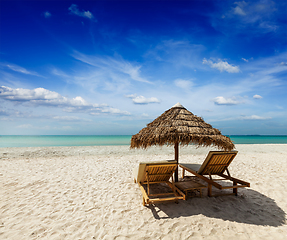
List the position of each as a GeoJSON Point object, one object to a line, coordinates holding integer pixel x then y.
{"type": "Point", "coordinates": [176, 159]}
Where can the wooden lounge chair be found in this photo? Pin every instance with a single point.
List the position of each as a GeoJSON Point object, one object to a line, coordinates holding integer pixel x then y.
{"type": "Point", "coordinates": [157, 172]}
{"type": "Point", "coordinates": [216, 163]}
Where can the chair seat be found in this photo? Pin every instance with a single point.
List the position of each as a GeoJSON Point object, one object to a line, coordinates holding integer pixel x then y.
{"type": "Point", "coordinates": [195, 167]}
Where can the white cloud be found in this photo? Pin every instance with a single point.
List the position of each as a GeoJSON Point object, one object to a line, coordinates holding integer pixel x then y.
{"type": "Point", "coordinates": [113, 66]}
{"type": "Point", "coordinates": [145, 115]}
{"type": "Point", "coordinates": [19, 69]}
{"type": "Point", "coordinates": [181, 83]}
{"type": "Point", "coordinates": [238, 10]}
{"type": "Point", "coordinates": [74, 10]}
{"type": "Point", "coordinates": [3, 113]}
{"type": "Point", "coordinates": [257, 96]}
{"type": "Point", "coordinates": [279, 107]}
{"type": "Point", "coordinates": [16, 113]}
{"type": "Point", "coordinates": [245, 60]}
{"type": "Point", "coordinates": [268, 26]}
{"type": "Point", "coordinates": [256, 13]}
{"type": "Point", "coordinates": [225, 101]}
{"type": "Point", "coordinates": [142, 100]}
{"type": "Point", "coordinates": [29, 126]}
{"type": "Point", "coordinates": [177, 53]}
{"type": "Point", "coordinates": [24, 126]}
{"type": "Point", "coordinates": [69, 118]}
{"type": "Point", "coordinates": [222, 66]}
{"type": "Point", "coordinates": [47, 14]}
{"type": "Point", "coordinates": [30, 115]}
{"type": "Point", "coordinates": [44, 97]}
{"type": "Point", "coordinates": [59, 73]}
{"type": "Point", "coordinates": [254, 117]}
{"type": "Point", "coordinates": [131, 96]}
{"type": "Point", "coordinates": [37, 94]}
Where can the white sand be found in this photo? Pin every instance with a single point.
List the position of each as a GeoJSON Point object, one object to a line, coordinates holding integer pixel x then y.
{"type": "Point", "coordinates": [89, 193]}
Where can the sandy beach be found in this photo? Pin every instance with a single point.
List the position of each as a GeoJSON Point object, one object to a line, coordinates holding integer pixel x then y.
{"type": "Point", "coordinates": [89, 193]}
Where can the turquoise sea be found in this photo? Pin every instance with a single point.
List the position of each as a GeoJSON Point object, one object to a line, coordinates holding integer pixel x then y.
{"type": "Point", "coordinates": [90, 140]}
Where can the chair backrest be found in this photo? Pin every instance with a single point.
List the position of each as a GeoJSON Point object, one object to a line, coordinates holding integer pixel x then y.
{"type": "Point", "coordinates": [216, 162]}
{"type": "Point", "coordinates": [157, 171]}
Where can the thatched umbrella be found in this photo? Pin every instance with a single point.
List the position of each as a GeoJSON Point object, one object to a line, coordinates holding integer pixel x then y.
{"type": "Point", "coordinates": [179, 126]}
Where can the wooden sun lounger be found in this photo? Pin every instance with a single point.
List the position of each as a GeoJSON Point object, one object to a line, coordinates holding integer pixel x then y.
{"type": "Point", "coordinates": [216, 163]}
{"type": "Point", "coordinates": [157, 172]}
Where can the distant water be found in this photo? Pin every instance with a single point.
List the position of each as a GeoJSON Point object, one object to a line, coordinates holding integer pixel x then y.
{"type": "Point", "coordinates": [63, 140]}
{"type": "Point", "coordinates": [87, 140]}
{"type": "Point", "coordinates": [259, 139]}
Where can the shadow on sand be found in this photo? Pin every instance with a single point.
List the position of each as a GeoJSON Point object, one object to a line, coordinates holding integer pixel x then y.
{"type": "Point", "coordinates": [249, 207]}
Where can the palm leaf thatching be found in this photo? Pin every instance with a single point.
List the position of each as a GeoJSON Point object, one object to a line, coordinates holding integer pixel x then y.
{"type": "Point", "coordinates": [179, 126]}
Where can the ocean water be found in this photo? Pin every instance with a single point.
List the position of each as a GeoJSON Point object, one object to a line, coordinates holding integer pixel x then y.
{"type": "Point", "coordinates": [106, 140]}
{"type": "Point", "coordinates": [259, 139]}
{"type": "Point", "coordinates": [63, 140]}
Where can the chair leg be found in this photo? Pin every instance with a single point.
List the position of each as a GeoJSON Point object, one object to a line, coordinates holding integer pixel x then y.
{"type": "Point", "coordinates": [143, 202]}
{"type": "Point", "coordinates": [209, 190]}
{"type": "Point", "coordinates": [235, 189]}
{"type": "Point", "coordinates": [183, 171]}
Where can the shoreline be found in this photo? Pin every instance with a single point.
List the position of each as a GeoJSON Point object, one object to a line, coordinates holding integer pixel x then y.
{"type": "Point", "coordinates": [65, 151]}
{"type": "Point", "coordinates": [89, 193]}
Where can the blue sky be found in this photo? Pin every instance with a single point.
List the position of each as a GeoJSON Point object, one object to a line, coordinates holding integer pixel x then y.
{"type": "Point", "coordinates": [111, 67]}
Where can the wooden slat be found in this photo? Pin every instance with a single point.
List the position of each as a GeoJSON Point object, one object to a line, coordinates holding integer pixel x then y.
{"type": "Point", "coordinates": [202, 177]}
{"type": "Point", "coordinates": [155, 182]}
{"type": "Point", "coordinates": [164, 199]}
{"type": "Point", "coordinates": [219, 179]}
{"type": "Point", "coordinates": [222, 164]}
{"type": "Point", "coordinates": [177, 190]}
{"type": "Point", "coordinates": [236, 186]}
{"type": "Point", "coordinates": [235, 179]}
{"type": "Point", "coordinates": [161, 194]}
{"type": "Point", "coordinates": [160, 174]}
{"type": "Point", "coordinates": [145, 196]}
{"type": "Point", "coordinates": [218, 163]}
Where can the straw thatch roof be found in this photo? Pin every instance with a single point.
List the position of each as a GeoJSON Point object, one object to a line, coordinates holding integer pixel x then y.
{"type": "Point", "coordinates": [178, 125]}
